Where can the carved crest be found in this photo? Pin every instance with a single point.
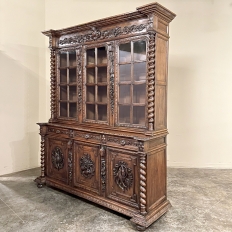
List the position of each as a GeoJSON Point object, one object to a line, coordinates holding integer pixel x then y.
{"type": "Point", "coordinates": [87, 166]}
{"type": "Point", "coordinates": [123, 175]}
{"type": "Point", "coordinates": [57, 158]}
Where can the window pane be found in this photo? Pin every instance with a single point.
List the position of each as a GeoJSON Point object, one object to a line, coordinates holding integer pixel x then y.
{"type": "Point", "coordinates": [72, 75]}
{"type": "Point", "coordinates": [90, 75]}
{"type": "Point", "coordinates": [72, 58]}
{"type": "Point", "coordinates": [124, 114]}
{"type": "Point", "coordinates": [140, 71]}
{"type": "Point", "coordinates": [102, 74]}
{"type": "Point", "coordinates": [72, 93]}
{"type": "Point", "coordinates": [101, 55]}
{"type": "Point", "coordinates": [63, 76]}
{"type": "Point", "coordinates": [63, 59]}
{"type": "Point", "coordinates": [124, 94]}
{"type": "Point", "coordinates": [72, 110]}
{"type": "Point", "coordinates": [63, 109]}
{"type": "Point", "coordinates": [90, 111]}
{"type": "Point", "coordinates": [125, 52]}
{"type": "Point", "coordinates": [90, 94]}
{"type": "Point", "coordinates": [90, 56]}
{"type": "Point", "coordinates": [125, 72]}
{"type": "Point", "coordinates": [102, 94]}
{"type": "Point", "coordinates": [139, 115]}
{"type": "Point", "coordinates": [102, 112]}
{"type": "Point", "coordinates": [63, 92]}
{"type": "Point", "coordinates": [140, 50]}
{"type": "Point", "coordinates": [139, 93]}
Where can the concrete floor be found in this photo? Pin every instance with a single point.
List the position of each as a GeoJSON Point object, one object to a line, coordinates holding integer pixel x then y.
{"type": "Point", "coordinates": [201, 201]}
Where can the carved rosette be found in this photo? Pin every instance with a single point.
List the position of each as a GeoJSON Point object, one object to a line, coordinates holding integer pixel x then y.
{"type": "Point", "coordinates": [53, 83]}
{"type": "Point", "coordinates": [87, 166]}
{"type": "Point", "coordinates": [123, 175]}
{"type": "Point", "coordinates": [151, 80]}
{"type": "Point", "coordinates": [111, 59]}
{"type": "Point", "coordinates": [143, 187]}
{"type": "Point", "coordinates": [103, 168]}
{"type": "Point", "coordinates": [57, 158]}
{"type": "Point", "coordinates": [70, 161]}
{"type": "Point", "coordinates": [79, 78]}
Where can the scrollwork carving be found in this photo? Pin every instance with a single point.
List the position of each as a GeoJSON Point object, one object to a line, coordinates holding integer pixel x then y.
{"type": "Point", "coordinates": [87, 166]}
{"type": "Point", "coordinates": [57, 158]}
{"type": "Point", "coordinates": [103, 168]}
{"type": "Point", "coordinates": [123, 175]}
{"type": "Point", "coordinates": [95, 34]}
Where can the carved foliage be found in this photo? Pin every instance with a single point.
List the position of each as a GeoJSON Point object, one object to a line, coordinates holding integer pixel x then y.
{"type": "Point", "coordinates": [57, 158]}
{"type": "Point", "coordinates": [123, 175]}
{"type": "Point", "coordinates": [111, 59]}
{"type": "Point", "coordinates": [87, 166]}
{"type": "Point", "coordinates": [79, 78]}
{"type": "Point", "coordinates": [103, 168]}
{"type": "Point", "coordinates": [70, 160]}
{"type": "Point", "coordinates": [96, 34]}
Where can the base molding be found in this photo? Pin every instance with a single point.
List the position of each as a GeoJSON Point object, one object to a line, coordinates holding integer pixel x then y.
{"type": "Point", "coordinates": [145, 221]}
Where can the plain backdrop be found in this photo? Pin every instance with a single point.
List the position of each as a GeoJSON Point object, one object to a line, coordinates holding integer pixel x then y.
{"type": "Point", "coordinates": [200, 76]}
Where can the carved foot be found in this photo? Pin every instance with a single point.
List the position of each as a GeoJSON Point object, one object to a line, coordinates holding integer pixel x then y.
{"type": "Point", "coordinates": [40, 181]}
{"type": "Point", "coordinates": [140, 228]}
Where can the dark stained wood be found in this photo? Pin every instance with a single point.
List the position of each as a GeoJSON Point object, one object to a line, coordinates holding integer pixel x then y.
{"type": "Point", "coordinates": [106, 138]}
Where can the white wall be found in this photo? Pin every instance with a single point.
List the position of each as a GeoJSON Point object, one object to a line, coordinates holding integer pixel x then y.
{"type": "Point", "coordinates": [200, 72]}
{"type": "Point", "coordinates": [199, 96]}
{"type": "Point", "coordinates": [22, 87]}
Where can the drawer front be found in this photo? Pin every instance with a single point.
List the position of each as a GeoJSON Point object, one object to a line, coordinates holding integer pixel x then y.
{"type": "Point", "coordinates": [57, 159]}
{"type": "Point", "coordinates": [123, 177]}
{"type": "Point", "coordinates": [86, 167]}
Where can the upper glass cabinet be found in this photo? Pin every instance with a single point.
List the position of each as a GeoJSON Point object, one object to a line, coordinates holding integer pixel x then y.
{"type": "Point", "coordinates": [67, 82]}
{"type": "Point", "coordinates": [132, 83]}
{"type": "Point", "coordinates": [96, 99]}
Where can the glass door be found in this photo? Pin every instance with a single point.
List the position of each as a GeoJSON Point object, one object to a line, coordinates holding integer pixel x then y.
{"type": "Point", "coordinates": [67, 84]}
{"type": "Point", "coordinates": [96, 84]}
{"type": "Point", "coordinates": [132, 83]}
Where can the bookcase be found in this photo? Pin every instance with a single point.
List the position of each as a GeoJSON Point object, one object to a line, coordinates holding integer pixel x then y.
{"type": "Point", "coordinates": [106, 138]}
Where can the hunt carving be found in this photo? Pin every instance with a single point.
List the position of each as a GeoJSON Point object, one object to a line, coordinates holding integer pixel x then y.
{"type": "Point", "coordinates": [96, 34]}
{"type": "Point", "coordinates": [57, 158]}
{"type": "Point", "coordinates": [87, 166]}
{"type": "Point", "coordinates": [123, 175]}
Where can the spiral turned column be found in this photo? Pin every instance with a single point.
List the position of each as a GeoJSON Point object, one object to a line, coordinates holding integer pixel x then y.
{"type": "Point", "coordinates": [143, 186]}
{"type": "Point", "coordinates": [53, 83]}
{"type": "Point", "coordinates": [151, 80]}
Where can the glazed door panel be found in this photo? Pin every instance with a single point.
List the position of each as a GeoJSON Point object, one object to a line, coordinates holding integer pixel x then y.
{"type": "Point", "coordinates": [57, 159]}
{"type": "Point", "coordinates": [123, 178]}
{"type": "Point", "coordinates": [87, 167]}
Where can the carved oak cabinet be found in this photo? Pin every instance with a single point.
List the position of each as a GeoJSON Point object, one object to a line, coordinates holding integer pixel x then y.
{"type": "Point", "coordinates": [106, 138]}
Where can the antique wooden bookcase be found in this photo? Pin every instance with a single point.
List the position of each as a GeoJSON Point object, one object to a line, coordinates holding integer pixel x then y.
{"type": "Point", "coordinates": [106, 138]}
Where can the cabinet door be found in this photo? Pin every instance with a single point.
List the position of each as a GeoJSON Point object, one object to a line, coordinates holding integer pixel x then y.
{"type": "Point", "coordinates": [57, 159]}
{"type": "Point", "coordinates": [87, 167]}
{"type": "Point", "coordinates": [123, 178]}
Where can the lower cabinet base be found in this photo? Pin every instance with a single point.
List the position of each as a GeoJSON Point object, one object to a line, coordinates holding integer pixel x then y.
{"type": "Point", "coordinates": [141, 221]}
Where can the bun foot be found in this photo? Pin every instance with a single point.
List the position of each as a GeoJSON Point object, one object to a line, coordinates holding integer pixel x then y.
{"type": "Point", "coordinates": [140, 228]}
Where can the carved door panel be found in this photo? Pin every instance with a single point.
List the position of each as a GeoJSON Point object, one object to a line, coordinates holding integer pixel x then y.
{"type": "Point", "coordinates": [122, 176]}
{"type": "Point", "coordinates": [57, 159]}
{"type": "Point", "coordinates": [87, 167]}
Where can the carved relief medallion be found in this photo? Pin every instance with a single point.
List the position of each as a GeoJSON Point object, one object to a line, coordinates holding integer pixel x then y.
{"type": "Point", "coordinates": [123, 175]}
{"type": "Point", "coordinates": [87, 166]}
{"type": "Point", "coordinates": [57, 158]}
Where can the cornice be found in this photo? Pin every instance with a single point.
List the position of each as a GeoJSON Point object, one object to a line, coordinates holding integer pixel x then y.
{"type": "Point", "coordinates": [153, 8]}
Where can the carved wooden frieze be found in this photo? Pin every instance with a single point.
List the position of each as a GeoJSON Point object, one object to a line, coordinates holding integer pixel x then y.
{"type": "Point", "coordinates": [87, 166]}
{"type": "Point", "coordinates": [57, 158]}
{"type": "Point", "coordinates": [96, 34]}
{"type": "Point", "coordinates": [123, 175]}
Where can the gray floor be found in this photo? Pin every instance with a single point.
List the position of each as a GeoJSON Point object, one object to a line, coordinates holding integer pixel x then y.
{"type": "Point", "coordinates": [201, 201]}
